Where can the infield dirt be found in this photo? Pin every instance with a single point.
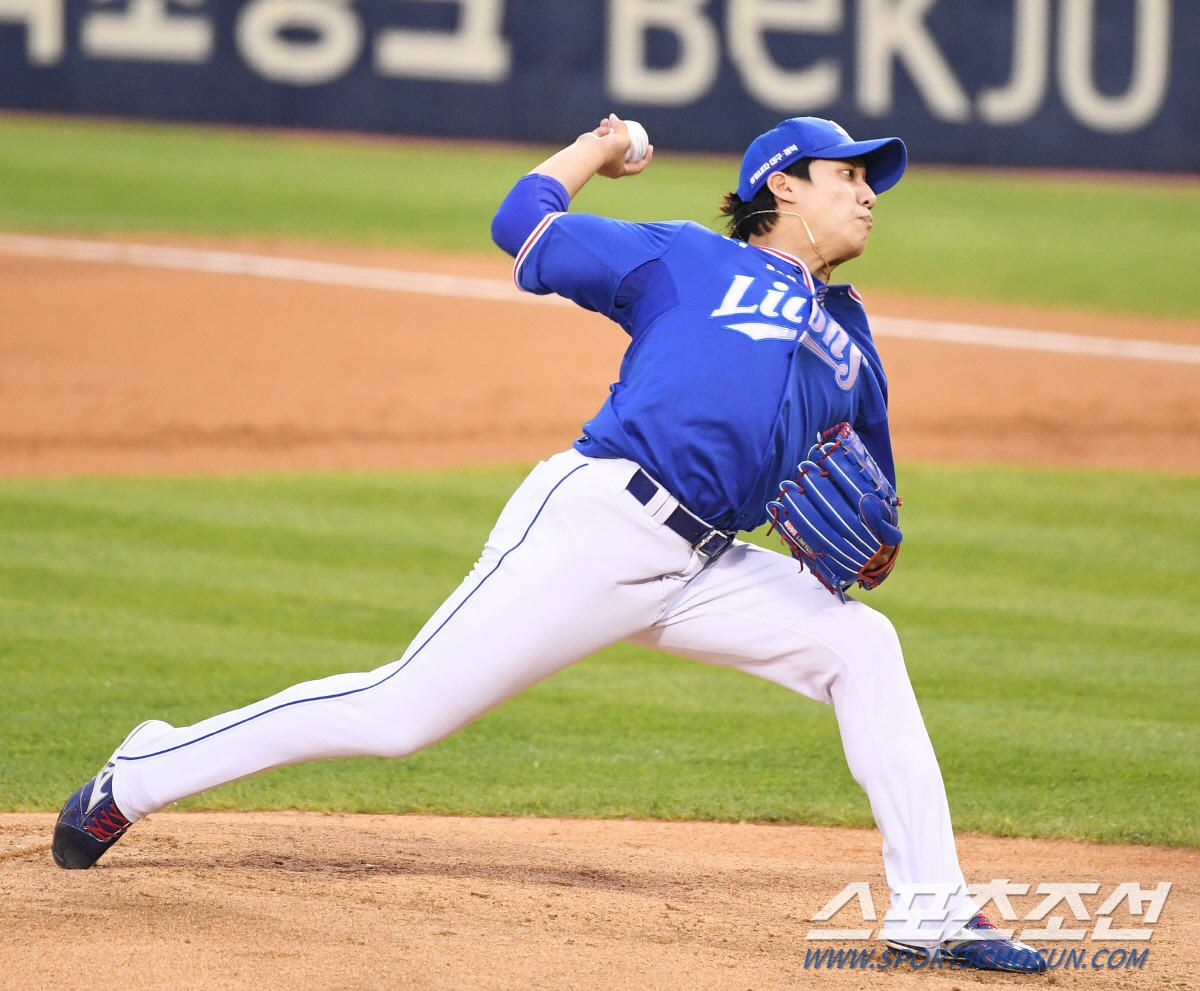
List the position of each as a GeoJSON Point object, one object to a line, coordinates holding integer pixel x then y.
{"type": "Point", "coordinates": [113, 369]}
{"type": "Point", "coordinates": [305, 900]}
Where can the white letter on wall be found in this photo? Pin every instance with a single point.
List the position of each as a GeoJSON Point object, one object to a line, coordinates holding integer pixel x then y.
{"type": "Point", "coordinates": [1022, 96]}
{"type": "Point", "coordinates": [339, 38]}
{"type": "Point", "coordinates": [43, 20]}
{"type": "Point", "coordinates": [785, 90]}
{"type": "Point", "coordinates": [146, 32]}
{"type": "Point", "coordinates": [631, 80]}
{"type": "Point", "coordinates": [1141, 102]}
{"type": "Point", "coordinates": [891, 29]}
{"type": "Point", "coordinates": [474, 53]}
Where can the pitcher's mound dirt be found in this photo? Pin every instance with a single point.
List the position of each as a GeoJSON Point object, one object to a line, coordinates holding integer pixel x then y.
{"type": "Point", "coordinates": [310, 901]}
{"type": "Point", "coordinates": [108, 368]}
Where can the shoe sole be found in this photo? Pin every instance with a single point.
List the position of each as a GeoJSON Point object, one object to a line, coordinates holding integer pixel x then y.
{"type": "Point", "coordinates": [1001, 968]}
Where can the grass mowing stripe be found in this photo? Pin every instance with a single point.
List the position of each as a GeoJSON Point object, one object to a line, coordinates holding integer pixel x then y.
{"type": "Point", "coordinates": [76, 631]}
{"type": "Point", "coordinates": [1061, 690]}
{"type": "Point", "coordinates": [1066, 773]}
{"type": "Point", "coordinates": [180, 567]}
{"type": "Point", "coordinates": [1084, 243]}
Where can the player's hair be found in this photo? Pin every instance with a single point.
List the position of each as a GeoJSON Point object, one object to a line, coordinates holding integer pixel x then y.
{"type": "Point", "coordinates": [758, 216]}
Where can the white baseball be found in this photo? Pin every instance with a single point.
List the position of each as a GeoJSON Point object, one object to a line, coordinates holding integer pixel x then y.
{"type": "Point", "coordinates": [639, 141]}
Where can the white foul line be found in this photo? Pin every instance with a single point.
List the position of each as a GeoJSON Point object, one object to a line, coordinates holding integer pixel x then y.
{"type": "Point", "coordinates": [503, 290]}
{"type": "Point", "coordinates": [1035, 340]}
{"type": "Point", "coordinates": [272, 267]}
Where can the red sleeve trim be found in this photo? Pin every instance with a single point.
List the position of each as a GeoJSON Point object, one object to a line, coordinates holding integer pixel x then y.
{"type": "Point", "coordinates": [528, 246]}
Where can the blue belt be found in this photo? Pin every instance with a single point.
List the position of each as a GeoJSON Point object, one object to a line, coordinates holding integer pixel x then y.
{"type": "Point", "coordinates": [707, 540]}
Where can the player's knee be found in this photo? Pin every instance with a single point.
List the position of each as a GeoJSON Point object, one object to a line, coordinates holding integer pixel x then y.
{"type": "Point", "coordinates": [879, 626]}
{"type": "Point", "coordinates": [401, 740]}
{"type": "Point", "coordinates": [396, 746]}
{"type": "Point", "coordinates": [878, 640]}
{"type": "Point", "coordinates": [405, 734]}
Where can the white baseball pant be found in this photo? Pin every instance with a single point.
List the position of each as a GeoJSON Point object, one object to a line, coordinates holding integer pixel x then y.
{"type": "Point", "coordinates": [576, 563]}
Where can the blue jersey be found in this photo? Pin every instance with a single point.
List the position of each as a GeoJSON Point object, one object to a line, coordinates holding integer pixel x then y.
{"type": "Point", "coordinates": [737, 359]}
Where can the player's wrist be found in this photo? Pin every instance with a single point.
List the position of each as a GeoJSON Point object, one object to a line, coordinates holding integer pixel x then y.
{"type": "Point", "coordinates": [599, 153]}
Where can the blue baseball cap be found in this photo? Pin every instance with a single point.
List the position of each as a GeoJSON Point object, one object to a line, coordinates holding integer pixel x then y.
{"type": "Point", "coordinates": [815, 137]}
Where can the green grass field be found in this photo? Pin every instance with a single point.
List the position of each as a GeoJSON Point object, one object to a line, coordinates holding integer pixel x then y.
{"type": "Point", "coordinates": [1051, 623]}
{"type": "Point", "coordinates": [1103, 246]}
{"type": "Point", "coordinates": [1051, 618]}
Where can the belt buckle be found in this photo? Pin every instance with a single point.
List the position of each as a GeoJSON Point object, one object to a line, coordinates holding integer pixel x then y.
{"type": "Point", "coordinates": [701, 546]}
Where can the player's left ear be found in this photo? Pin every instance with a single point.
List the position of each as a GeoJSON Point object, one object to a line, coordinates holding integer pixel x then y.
{"type": "Point", "coordinates": [784, 187]}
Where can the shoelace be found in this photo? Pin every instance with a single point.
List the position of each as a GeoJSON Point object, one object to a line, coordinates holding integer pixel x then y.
{"type": "Point", "coordinates": [107, 823]}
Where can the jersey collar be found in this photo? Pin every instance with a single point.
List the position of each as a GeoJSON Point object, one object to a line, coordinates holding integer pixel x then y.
{"type": "Point", "coordinates": [808, 279]}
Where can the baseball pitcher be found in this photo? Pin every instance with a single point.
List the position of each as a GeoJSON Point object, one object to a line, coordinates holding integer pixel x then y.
{"type": "Point", "coordinates": [751, 392]}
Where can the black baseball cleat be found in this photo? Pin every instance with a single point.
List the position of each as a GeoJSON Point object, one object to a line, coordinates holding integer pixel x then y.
{"type": "Point", "coordinates": [90, 822]}
{"type": "Point", "coordinates": [978, 944]}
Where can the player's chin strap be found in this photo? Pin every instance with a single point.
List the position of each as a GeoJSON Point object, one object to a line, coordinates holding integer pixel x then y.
{"type": "Point", "coordinates": [807, 230]}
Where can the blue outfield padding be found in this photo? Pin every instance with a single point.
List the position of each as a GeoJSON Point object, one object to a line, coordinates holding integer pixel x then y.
{"type": "Point", "coordinates": [1093, 83]}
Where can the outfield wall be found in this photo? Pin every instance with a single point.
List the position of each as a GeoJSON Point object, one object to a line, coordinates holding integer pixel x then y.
{"type": "Point", "coordinates": [1099, 83]}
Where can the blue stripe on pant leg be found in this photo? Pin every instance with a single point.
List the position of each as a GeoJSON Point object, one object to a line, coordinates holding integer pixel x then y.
{"type": "Point", "coordinates": [386, 678]}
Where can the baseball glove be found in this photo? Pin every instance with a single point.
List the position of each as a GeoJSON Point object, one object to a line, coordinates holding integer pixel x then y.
{"type": "Point", "coordinates": [840, 514]}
